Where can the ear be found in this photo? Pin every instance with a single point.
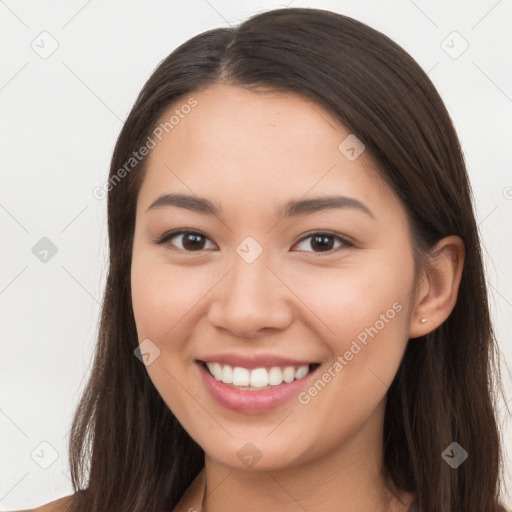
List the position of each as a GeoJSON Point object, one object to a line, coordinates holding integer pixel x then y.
{"type": "Point", "coordinates": [439, 286]}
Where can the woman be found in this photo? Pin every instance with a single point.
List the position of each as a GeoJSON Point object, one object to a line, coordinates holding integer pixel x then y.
{"type": "Point", "coordinates": [296, 313]}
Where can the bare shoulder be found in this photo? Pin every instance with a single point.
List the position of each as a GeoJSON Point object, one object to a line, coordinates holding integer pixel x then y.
{"type": "Point", "coordinates": [60, 505]}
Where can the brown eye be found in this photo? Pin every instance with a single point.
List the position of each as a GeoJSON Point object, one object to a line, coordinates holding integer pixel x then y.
{"type": "Point", "coordinates": [194, 241]}
{"type": "Point", "coordinates": [191, 241]}
{"type": "Point", "coordinates": [322, 242]}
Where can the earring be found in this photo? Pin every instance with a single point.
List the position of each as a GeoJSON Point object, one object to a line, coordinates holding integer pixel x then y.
{"type": "Point", "coordinates": [423, 320]}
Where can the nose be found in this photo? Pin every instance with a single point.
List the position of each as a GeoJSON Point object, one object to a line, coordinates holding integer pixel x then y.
{"type": "Point", "coordinates": [251, 300]}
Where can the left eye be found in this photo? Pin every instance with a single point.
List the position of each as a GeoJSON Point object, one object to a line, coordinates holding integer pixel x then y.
{"type": "Point", "coordinates": [193, 241]}
{"type": "Point", "coordinates": [323, 241]}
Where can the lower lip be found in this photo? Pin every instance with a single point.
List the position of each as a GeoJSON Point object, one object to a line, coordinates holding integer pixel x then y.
{"type": "Point", "coordinates": [252, 402]}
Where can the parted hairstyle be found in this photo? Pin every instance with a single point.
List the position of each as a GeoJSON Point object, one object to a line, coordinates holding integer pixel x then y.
{"type": "Point", "coordinates": [127, 450]}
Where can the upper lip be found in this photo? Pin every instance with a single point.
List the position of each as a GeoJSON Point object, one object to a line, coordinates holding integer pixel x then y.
{"type": "Point", "coordinates": [254, 361]}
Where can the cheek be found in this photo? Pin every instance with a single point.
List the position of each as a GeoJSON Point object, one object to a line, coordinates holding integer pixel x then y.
{"type": "Point", "coordinates": [367, 316]}
{"type": "Point", "coordinates": [161, 296]}
{"type": "Point", "coordinates": [352, 300]}
{"type": "Point", "coordinates": [160, 299]}
{"type": "Point", "coordinates": [148, 308]}
{"type": "Point", "coordinates": [364, 311]}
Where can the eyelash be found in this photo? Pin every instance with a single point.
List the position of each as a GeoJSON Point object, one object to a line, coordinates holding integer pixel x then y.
{"type": "Point", "coordinates": [172, 234]}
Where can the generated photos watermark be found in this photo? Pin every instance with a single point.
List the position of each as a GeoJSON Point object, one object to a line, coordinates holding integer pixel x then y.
{"type": "Point", "coordinates": [100, 192]}
{"type": "Point", "coordinates": [343, 360]}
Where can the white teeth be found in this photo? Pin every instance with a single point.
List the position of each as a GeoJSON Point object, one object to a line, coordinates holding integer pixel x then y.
{"type": "Point", "coordinates": [302, 371]}
{"type": "Point", "coordinates": [227, 374]}
{"type": "Point", "coordinates": [275, 376]}
{"type": "Point", "coordinates": [258, 377]}
{"type": "Point", "coordinates": [289, 374]}
{"type": "Point", "coordinates": [216, 369]}
{"type": "Point", "coordinates": [240, 376]}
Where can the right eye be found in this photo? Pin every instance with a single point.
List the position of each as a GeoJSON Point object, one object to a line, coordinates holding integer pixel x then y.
{"type": "Point", "coordinates": [192, 241]}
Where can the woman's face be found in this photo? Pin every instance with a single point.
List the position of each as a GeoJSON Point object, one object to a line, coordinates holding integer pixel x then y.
{"type": "Point", "coordinates": [251, 288]}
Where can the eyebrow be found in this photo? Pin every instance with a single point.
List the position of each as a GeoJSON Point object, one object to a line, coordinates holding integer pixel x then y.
{"type": "Point", "coordinates": [292, 208]}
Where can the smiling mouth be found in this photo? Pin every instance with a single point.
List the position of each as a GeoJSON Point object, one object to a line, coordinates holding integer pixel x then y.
{"type": "Point", "coordinates": [257, 379]}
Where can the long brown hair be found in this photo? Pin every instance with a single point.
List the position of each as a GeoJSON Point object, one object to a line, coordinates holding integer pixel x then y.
{"type": "Point", "coordinates": [127, 450]}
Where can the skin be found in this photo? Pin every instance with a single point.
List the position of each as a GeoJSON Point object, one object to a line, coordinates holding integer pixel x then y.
{"type": "Point", "coordinates": [249, 153]}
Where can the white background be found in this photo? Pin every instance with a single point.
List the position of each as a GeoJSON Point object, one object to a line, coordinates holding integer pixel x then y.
{"type": "Point", "coordinates": [60, 118]}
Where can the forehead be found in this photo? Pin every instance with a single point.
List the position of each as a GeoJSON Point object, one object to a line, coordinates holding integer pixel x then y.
{"type": "Point", "coordinates": [253, 126]}
{"type": "Point", "coordinates": [252, 148]}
